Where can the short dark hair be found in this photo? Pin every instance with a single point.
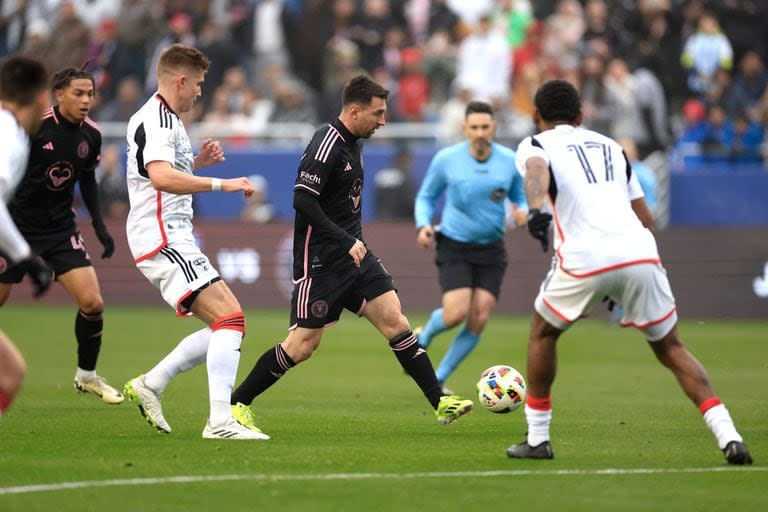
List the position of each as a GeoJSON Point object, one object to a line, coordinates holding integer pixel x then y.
{"type": "Point", "coordinates": [63, 78]}
{"type": "Point", "coordinates": [180, 56]}
{"type": "Point", "coordinates": [478, 107]}
{"type": "Point", "coordinates": [362, 89]}
{"type": "Point", "coordinates": [558, 100]}
{"type": "Point", "coordinates": [22, 79]}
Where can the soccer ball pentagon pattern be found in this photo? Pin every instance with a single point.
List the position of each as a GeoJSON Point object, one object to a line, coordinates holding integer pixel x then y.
{"type": "Point", "coordinates": [501, 389]}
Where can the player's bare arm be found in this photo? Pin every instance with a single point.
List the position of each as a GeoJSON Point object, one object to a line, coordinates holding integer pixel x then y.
{"type": "Point", "coordinates": [210, 153]}
{"type": "Point", "coordinates": [426, 236]}
{"type": "Point", "coordinates": [167, 179]}
{"type": "Point", "coordinates": [640, 207]}
{"type": "Point", "coordinates": [536, 181]}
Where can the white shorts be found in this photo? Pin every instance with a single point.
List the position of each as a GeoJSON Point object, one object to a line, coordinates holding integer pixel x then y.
{"type": "Point", "coordinates": [642, 290]}
{"type": "Point", "coordinates": [180, 271]}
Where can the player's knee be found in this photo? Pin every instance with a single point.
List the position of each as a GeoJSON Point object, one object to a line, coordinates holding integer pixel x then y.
{"type": "Point", "coordinates": [300, 349]}
{"type": "Point", "coordinates": [14, 371]}
{"type": "Point", "coordinates": [91, 304]}
{"type": "Point", "coordinates": [478, 320]}
{"type": "Point", "coordinates": [454, 316]}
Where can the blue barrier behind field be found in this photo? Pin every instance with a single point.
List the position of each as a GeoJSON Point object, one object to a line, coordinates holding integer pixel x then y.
{"type": "Point", "coordinates": [701, 195]}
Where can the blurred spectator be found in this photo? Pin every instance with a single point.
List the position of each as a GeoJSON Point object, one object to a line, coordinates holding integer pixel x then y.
{"type": "Point", "coordinates": [721, 91]}
{"type": "Point", "coordinates": [693, 132]}
{"type": "Point", "coordinates": [530, 50]}
{"type": "Point", "coordinates": [218, 47]}
{"type": "Point", "coordinates": [394, 42]}
{"type": "Point", "coordinates": [526, 83]}
{"type": "Point", "coordinates": [99, 55]}
{"type": "Point", "coordinates": [645, 174]}
{"type": "Point", "coordinates": [113, 190]}
{"type": "Point", "coordinates": [373, 22]}
{"type": "Point", "coordinates": [513, 17]}
{"type": "Point", "coordinates": [440, 66]}
{"type": "Point", "coordinates": [179, 31]}
{"type": "Point", "coordinates": [271, 21]}
{"type": "Point", "coordinates": [257, 208]}
{"type": "Point", "coordinates": [450, 126]}
{"type": "Point", "coordinates": [595, 104]}
{"type": "Point", "coordinates": [128, 100]}
{"type": "Point", "coordinates": [395, 192]}
{"type": "Point", "coordinates": [35, 42]}
{"type": "Point", "coordinates": [705, 51]}
{"type": "Point", "coordinates": [746, 140]}
{"type": "Point", "coordinates": [291, 104]}
{"type": "Point", "coordinates": [13, 21]}
{"type": "Point", "coordinates": [69, 39]}
{"type": "Point", "coordinates": [751, 80]}
{"type": "Point", "coordinates": [563, 34]}
{"type": "Point", "coordinates": [443, 19]}
{"type": "Point", "coordinates": [94, 12]}
{"type": "Point", "coordinates": [471, 12]}
{"type": "Point", "coordinates": [718, 134]}
{"type": "Point", "coordinates": [413, 87]}
{"type": "Point", "coordinates": [483, 64]}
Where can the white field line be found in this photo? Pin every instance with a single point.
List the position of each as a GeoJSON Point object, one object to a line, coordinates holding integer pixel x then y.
{"type": "Point", "coordinates": [190, 479]}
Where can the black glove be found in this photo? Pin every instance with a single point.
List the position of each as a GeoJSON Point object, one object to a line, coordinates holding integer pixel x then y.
{"type": "Point", "coordinates": [106, 240]}
{"type": "Point", "coordinates": [39, 273]}
{"type": "Point", "coordinates": [611, 303]}
{"type": "Point", "coordinates": [538, 226]}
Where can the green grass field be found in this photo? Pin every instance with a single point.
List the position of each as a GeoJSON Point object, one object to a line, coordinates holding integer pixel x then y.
{"type": "Point", "coordinates": [351, 432]}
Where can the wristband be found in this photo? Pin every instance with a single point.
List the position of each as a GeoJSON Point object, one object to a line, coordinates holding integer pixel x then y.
{"type": "Point", "coordinates": [215, 184]}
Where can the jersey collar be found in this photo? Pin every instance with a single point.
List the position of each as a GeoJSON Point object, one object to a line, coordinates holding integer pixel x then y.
{"type": "Point", "coordinates": [63, 121]}
{"type": "Point", "coordinates": [347, 135]}
{"type": "Point", "coordinates": [165, 103]}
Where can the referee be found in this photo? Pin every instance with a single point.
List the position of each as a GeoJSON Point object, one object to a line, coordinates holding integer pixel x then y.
{"type": "Point", "coordinates": [475, 175]}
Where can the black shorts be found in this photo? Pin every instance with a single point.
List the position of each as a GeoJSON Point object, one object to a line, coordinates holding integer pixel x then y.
{"type": "Point", "coordinates": [318, 301]}
{"type": "Point", "coordinates": [464, 265]}
{"type": "Point", "coordinates": [61, 255]}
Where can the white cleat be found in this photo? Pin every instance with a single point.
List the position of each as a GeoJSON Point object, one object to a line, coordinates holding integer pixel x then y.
{"type": "Point", "coordinates": [99, 387]}
{"type": "Point", "coordinates": [148, 403]}
{"type": "Point", "coordinates": [231, 430]}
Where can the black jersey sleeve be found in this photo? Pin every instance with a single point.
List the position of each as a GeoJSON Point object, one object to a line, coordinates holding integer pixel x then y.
{"type": "Point", "coordinates": [305, 203]}
{"type": "Point", "coordinates": [318, 163]}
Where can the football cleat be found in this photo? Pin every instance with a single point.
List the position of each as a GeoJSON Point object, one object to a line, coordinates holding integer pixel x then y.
{"type": "Point", "coordinates": [244, 416]}
{"type": "Point", "coordinates": [451, 408]}
{"type": "Point", "coordinates": [99, 387]}
{"type": "Point", "coordinates": [736, 453]}
{"type": "Point", "coordinates": [148, 403]}
{"type": "Point", "coordinates": [526, 451]}
{"type": "Point", "coordinates": [232, 429]}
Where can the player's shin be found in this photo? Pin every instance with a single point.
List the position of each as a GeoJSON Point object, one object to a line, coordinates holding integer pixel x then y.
{"type": "Point", "coordinates": [268, 369]}
{"type": "Point", "coordinates": [416, 363]}
{"type": "Point", "coordinates": [222, 360]}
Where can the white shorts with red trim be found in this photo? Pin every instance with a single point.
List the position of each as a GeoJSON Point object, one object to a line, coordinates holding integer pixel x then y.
{"type": "Point", "coordinates": [178, 270]}
{"type": "Point", "coordinates": [642, 290]}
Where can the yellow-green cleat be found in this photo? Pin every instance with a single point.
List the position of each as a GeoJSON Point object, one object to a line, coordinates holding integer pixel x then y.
{"type": "Point", "coordinates": [244, 416]}
{"type": "Point", "coordinates": [148, 402]}
{"type": "Point", "coordinates": [451, 408]}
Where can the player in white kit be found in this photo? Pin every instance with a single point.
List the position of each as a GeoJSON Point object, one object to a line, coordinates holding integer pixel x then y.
{"type": "Point", "coordinates": [161, 182]}
{"type": "Point", "coordinates": [603, 248]}
{"type": "Point", "coordinates": [23, 99]}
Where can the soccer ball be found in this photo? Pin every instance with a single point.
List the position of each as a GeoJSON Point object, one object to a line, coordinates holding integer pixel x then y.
{"type": "Point", "coordinates": [501, 389]}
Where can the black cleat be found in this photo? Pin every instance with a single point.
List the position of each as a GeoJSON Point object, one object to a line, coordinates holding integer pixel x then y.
{"type": "Point", "coordinates": [526, 451]}
{"type": "Point", "coordinates": [736, 453]}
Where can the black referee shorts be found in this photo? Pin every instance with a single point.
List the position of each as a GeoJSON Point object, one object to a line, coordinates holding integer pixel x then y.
{"type": "Point", "coordinates": [465, 265]}
{"type": "Point", "coordinates": [61, 255]}
{"type": "Point", "coordinates": [318, 301]}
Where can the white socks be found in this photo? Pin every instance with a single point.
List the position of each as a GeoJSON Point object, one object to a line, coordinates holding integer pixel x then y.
{"type": "Point", "coordinates": [538, 425]}
{"type": "Point", "coordinates": [222, 360]}
{"type": "Point", "coordinates": [85, 375]}
{"type": "Point", "coordinates": [719, 421]}
{"type": "Point", "coordinates": [190, 352]}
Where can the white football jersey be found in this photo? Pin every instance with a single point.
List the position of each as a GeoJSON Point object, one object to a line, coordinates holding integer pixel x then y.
{"type": "Point", "coordinates": [14, 153]}
{"type": "Point", "coordinates": [155, 133]}
{"type": "Point", "coordinates": [590, 192]}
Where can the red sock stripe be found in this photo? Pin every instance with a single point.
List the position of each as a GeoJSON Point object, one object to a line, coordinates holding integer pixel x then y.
{"type": "Point", "coordinates": [708, 404]}
{"type": "Point", "coordinates": [540, 404]}
{"type": "Point", "coordinates": [233, 322]}
{"type": "Point", "coordinates": [5, 400]}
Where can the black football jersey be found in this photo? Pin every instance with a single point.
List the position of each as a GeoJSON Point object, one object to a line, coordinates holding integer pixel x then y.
{"type": "Point", "coordinates": [331, 169]}
{"type": "Point", "coordinates": [59, 153]}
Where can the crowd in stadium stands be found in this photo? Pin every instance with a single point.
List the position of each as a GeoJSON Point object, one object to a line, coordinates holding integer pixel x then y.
{"type": "Point", "coordinates": [686, 74]}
